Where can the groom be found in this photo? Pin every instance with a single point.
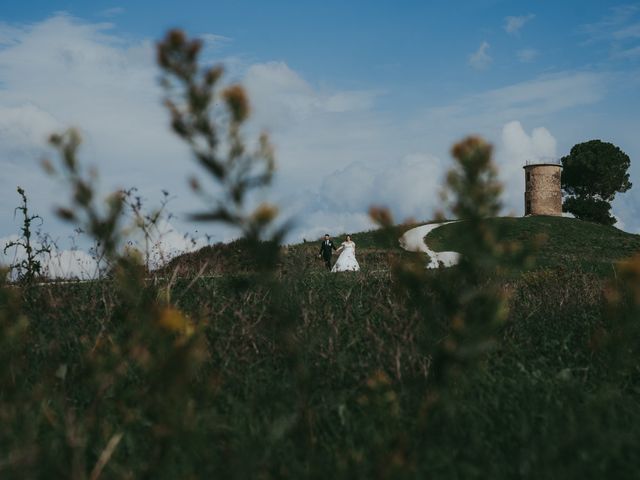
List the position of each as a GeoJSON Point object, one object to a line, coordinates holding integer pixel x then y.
{"type": "Point", "coordinates": [325, 250]}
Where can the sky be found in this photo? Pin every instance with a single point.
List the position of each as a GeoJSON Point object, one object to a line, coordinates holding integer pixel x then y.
{"type": "Point", "coordinates": [362, 100]}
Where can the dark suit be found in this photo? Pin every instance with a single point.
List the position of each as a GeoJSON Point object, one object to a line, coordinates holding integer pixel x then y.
{"type": "Point", "coordinates": [325, 252]}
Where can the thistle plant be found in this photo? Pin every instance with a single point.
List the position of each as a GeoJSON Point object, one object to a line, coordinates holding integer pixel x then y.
{"type": "Point", "coordinates": [100, 220]}
{"type": "Point", "coordinates": [147, 378]}
{"type": "Point", "coordinates": [619, 338]}
{"type": "Point", "coordinates": [148, 224]}
{"type": "Point", "coordinates": [472, 304]}
{"type": "Point", "coordinates": [255, 376]}
{"type": "Point", "coordinates": [215, 137]}
{"type": "Point", "coordinates": [478, 306]}
{"type": "Point", "coordinates": [29, 268]}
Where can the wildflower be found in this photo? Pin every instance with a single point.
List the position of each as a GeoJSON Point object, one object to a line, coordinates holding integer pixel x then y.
{"type": "Point", "coordinates": [237, 102]}
{"type": "Point", "coordinates": [172, 319]}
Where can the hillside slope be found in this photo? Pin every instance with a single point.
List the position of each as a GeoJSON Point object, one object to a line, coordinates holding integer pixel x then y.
{"type": "Point", "coordinates": [564, 243]}
{"type": "Point", "coordinates": [315, 375]}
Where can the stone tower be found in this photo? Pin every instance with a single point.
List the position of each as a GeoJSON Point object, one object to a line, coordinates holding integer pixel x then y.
{"type": "Point", "coordinates": [542, 193]}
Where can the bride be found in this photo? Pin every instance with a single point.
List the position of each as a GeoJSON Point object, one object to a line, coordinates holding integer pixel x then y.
{"type": "Point", "coordinates": [347, 259]}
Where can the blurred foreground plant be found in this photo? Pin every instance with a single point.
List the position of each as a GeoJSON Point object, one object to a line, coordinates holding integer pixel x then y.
{"type": "Point", "coordinates": [149, 224]}
{"type": "Point", "coordinates": [253, 376]}
{"type": "Point", "coordinates": [620, 338]}
{"type": "Point", "coordinates": [473, 304]}
{"type": "Point", "coordinates": [216, 140]}
{"type": "Point", "coordinates": [459, 310]}
{"type": "Point", "coordinates": [144, 378]}
{"type": "Point", "coordinates": [479, 304]}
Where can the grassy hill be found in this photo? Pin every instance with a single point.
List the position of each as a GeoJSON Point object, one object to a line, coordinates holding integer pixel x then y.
{"type": "Point", "coordinates": [563, 243]}
{"type": "Point", "coordinates": [375, 250]}
{"type": "Point", "coordinates": [316, 375]}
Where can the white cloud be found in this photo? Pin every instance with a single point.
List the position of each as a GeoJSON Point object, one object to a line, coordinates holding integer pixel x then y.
{"type": "Point", "coordinates": [548, 94]}
{"type": "Point", "coordinates": [535, 99]}
{"type": "Point", "coordinates": [164, 243]}
{"type": "Point", "coordinates": [620, 29]}
{"type": "Point", "coordinates": [75, 264]}
{"type": "Point", "coordinates": [93, 80]}
{"type": "Point", "coordinates": [614, 25]}
{"type": "Point", "coordinates": [626, 207]}
{"type": "Point", "coordinates": [513, 25]}
{"type": "Point", "coordinates": [334, 223]}
{"type": "Point", "coordinates": [337, 153]}
{"type": "Point", "coordinates": [8, 34]}
{"type": "Point", "coordinates": [629, 53]}
{"type": "Point", "coordinates": [619, 224]}
{"type": "Point", "coordinates": [99, 82]}
{"type": "Point", "coordinates": [540, 146]}
{"type": "Point", "coordinates": [282, 97]}
{"type": "Point", "coordinates": [481, 59]}
{"type": "Point", "coordinates": [515, 149]}
{"type": "Point", "coordinates": [316, 131]}
{"type": "Point", "coordinates": [24, 128]}
{"type": "Point", "coordinates": [109, 88]}
{"type": "Point", "coordinates": [70, 264]}
{"type": "Point", "coordinates": [213, 40]}
{"type": "Point", "coordinates": [11, 256]}
{"type": "Point", "coordinates": [527, 55]}
{"type": "Point", "coordinates": [630, 31]}
{"type": "Point", "coordinates": [409, 187]}
{"type": "Point", "coordinates": [111, 12]}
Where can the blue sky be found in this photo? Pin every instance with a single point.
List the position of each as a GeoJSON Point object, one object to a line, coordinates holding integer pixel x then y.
{"type": "Point", "coordinates": [362, 99]}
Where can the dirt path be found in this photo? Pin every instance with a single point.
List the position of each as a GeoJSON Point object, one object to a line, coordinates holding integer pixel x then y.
{"type": "Point", "coordinates": [413, 241]}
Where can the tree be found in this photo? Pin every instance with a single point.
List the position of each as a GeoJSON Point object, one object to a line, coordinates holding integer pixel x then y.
{"type": "Point", "coordinates": [592, 174]}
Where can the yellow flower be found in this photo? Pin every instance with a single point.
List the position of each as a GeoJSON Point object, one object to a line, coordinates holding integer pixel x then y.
{"type": "Point", "coordinates": [381, 216]}
{"type": "Point", "coordinates": [172, 319]}
{"type": "Point", "coordinates": [630, 272]}
{"type": "Point", "coordinates": [237, 102]}
{"type": "Point", "coordinates": [265, 213]}
{"type": "Point", "coordinates": [378, 379]}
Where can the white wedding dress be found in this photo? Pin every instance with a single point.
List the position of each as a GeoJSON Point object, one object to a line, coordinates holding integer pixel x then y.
{"type": "Point", "coordinates": [347, 260]}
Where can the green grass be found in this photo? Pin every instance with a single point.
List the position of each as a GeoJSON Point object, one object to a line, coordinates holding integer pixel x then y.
{"type": "Point", "coordinates": [334, 384]}
{"type": "Point", "coordinates": [379, 238]}
{"type": "Point", "coordinates": [319, 375]}
{"type": "Point", "coordinates": [375, 249]}
{"type": "Point", "coordinates": [565, 243]}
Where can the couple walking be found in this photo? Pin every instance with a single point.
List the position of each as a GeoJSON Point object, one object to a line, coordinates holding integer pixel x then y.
{"type": "Point", "coordinates": [346, 261]}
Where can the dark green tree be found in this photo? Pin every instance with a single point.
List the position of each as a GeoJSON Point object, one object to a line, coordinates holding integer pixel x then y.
{"type": "Point", "coordinates": [592, 174]}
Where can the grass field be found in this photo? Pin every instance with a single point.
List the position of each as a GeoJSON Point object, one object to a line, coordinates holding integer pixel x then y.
{"type": "Point", "coordinates": [563, 242]}
{"type": "Point", "coordinates": [314, 375]}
